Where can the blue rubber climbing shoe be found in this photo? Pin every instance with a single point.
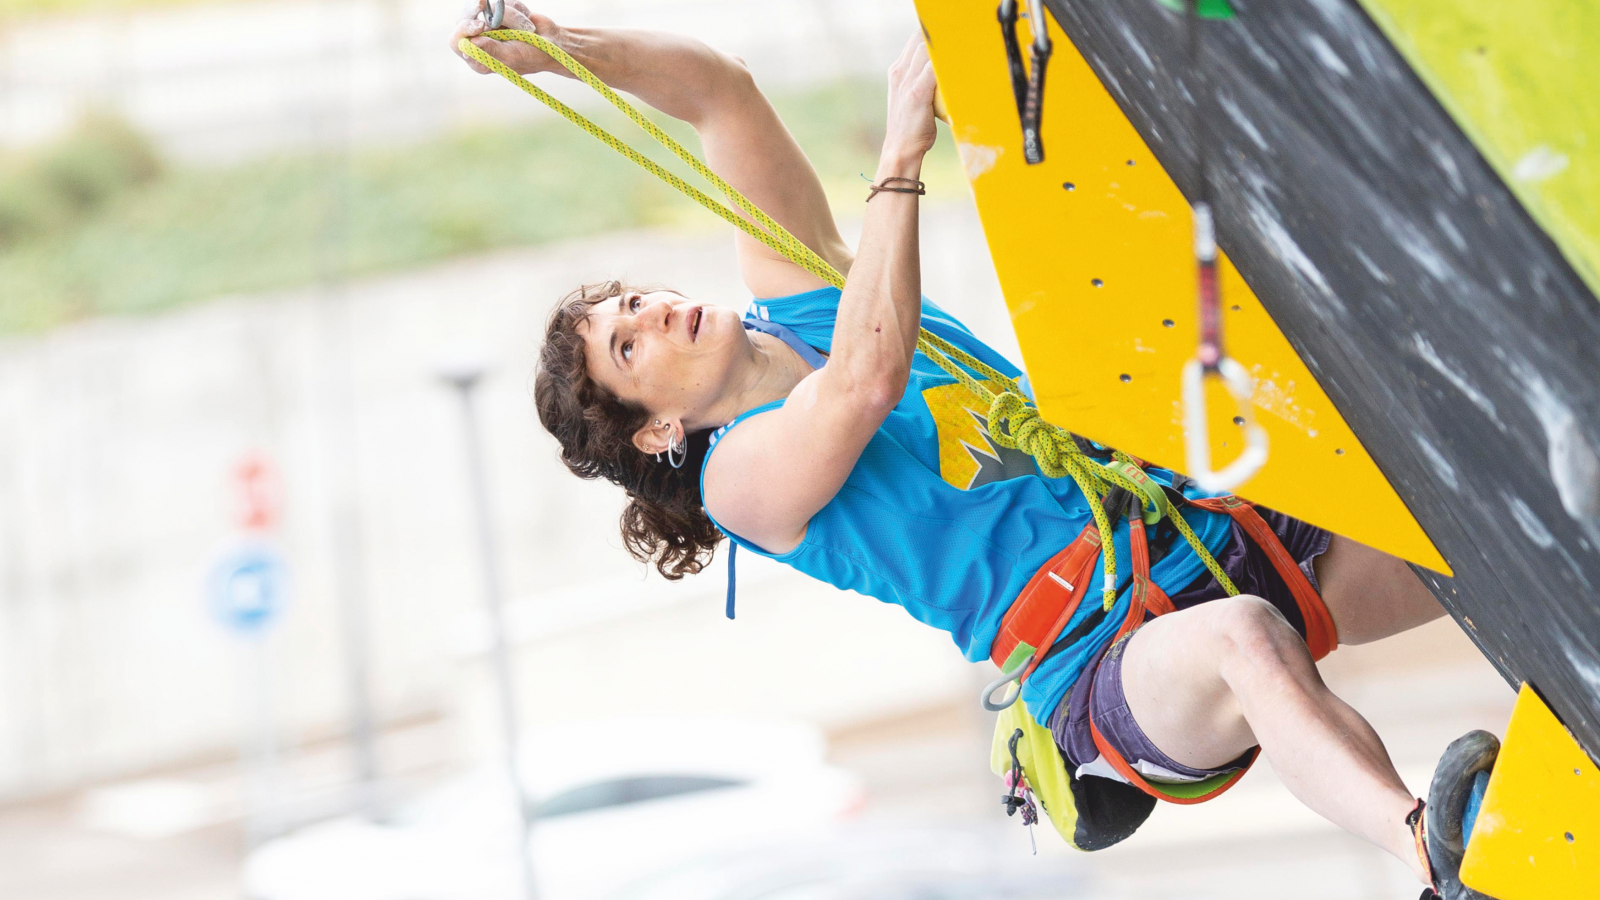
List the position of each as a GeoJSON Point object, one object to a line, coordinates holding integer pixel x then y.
{"type": "Point", "coordinates": [1443, 825]}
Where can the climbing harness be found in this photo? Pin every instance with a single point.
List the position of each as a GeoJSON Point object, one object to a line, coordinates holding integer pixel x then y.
{"type": "Point", "coordinates": [1027, 85]}
{"type": "Point", "coordinates": [1209, 359]}
{"type": "Point", "coordinates": [1013, 422]}
{"type": "Point", "coordinates": [1035, 620]}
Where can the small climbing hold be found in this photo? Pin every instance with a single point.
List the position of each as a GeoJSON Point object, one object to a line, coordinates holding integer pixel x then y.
{"type": "Point", "coordinates": [1069, 185]}
{"type": "Point", "coordinates": [1125, 377]}
{"type": "Point", "coordinates": [1097, 282]}
{"type": "Point", "coordinates": [1167, 323]}
{"type": "Point", "coordinates": [1238, 420]}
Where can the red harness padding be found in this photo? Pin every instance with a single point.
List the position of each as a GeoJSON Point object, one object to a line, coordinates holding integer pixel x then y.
{"type": "Point", "coordinates": [1045, 605]}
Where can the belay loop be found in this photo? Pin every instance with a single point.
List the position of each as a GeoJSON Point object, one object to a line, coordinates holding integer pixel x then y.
{"type": "Point", "coordinates": [1013, 421]}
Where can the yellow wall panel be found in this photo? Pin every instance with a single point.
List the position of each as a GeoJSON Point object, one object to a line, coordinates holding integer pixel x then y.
{"type": "Point", "coordinates": [1538, 833]}
{"type": "Point", "coordinates": [1099, 279]}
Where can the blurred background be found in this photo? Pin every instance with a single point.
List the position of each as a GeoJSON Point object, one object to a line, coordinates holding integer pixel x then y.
{"type": "Point", "coordinates": [244, 646]}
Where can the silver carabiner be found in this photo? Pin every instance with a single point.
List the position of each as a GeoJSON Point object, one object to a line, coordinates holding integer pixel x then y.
{"type": "Point", "coordinates": [1198, 442]}
{"type": "Point", "coordinates": [986, 698]}
{"type": "Point", "coordinates": [1041, 31]}
{"type": "Point", "coordinates": [492, 12]}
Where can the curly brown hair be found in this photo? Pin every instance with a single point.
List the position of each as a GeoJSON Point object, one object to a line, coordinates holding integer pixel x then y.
{"type": "Point", "coordinates": [664, 522]}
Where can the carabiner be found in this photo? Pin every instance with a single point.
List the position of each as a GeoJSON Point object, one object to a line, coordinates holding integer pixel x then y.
{"type": "Point", "coordinates": [1198, 442]}
{"type": "Point", "coordinates": [1027, 85]}
{"type": "Point", "coordinates": [492, 12]}
{"type": "Point", "coordinates": [1005, 678]}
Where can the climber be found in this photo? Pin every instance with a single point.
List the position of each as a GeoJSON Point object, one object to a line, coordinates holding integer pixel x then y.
{"type": "Point", "coordinates": [812, 431]}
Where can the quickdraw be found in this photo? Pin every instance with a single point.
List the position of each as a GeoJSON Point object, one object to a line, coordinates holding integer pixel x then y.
{"type": "Point", "coordinates": [1209, 359]}
{"type": "Point", "coordinates": [1027, 85]}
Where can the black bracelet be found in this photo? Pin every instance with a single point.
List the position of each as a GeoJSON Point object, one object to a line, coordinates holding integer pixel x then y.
{"type": "Point", "coordinates": [917, 188]}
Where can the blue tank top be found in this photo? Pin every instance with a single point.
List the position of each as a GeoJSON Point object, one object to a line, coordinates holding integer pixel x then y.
{"type": "Point", "coordinates": [940, 520]}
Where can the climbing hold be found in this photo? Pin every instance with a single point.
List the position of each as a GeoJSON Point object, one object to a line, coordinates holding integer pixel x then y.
{"type": "Point", "coordinates": [1209, 9]}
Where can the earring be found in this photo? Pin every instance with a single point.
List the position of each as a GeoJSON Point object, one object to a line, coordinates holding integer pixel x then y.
{"type": "Point", "coordinates": [677, 453]}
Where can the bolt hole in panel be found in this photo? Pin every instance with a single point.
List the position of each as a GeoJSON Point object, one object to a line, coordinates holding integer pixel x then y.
{"type": "Point", "coordinates": [1092, 275]}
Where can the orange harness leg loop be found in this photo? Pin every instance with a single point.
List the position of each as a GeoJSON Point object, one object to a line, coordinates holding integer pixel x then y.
{"type": "Point", "coordinates": [1139, 781]}
{"type": "Point", "coordinates": [1322, 637]}
{"type": "Point", "coordinates": [1148, 598]}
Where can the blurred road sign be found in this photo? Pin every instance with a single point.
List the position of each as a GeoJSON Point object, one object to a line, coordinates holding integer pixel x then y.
{"type": "Point", "coordinates": [248, 586]}
{"type": "Point", "coordinates": [260, 491]}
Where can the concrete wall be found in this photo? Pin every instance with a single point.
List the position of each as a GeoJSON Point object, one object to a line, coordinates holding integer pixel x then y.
{"type": "Point", "coordinates": [117, 443]}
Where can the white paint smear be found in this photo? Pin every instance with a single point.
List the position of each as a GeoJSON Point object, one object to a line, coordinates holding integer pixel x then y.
{"type": "Point", "coordinates": [1529, 523]}
{"type": "Point", "coordinates": [1284, 247]}
{"type": "Point", "coordinates": [1441, 466]}
{"type": "Point", "coordinates": [1138, 49]}
{"type": "Point", "coordinates": [1430, 356]}
{"type": "Point", "coordinates": [1280, 401]}
{"type": "Point", "coordinates": [1243, 121]}
{"type": "Point", "coordinates": [978, 158]}
{"type": "Point", "coordinates": [1538, 164]}
{"type": "Point", "coordinates": [1574, 465]}
{"type": "Point", "coordinates": [1326, 56]}
{"type": "Point", "coordinates": [1583, 665]}
{"type": "Point", "coordinates": [1369, 265]}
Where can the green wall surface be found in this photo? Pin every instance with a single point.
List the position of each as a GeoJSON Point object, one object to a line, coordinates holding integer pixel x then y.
{"type": "Point", "coordinates": [1520, 79]}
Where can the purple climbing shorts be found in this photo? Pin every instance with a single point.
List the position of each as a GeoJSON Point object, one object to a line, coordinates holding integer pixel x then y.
{"type": "Point", "coordinates": [1252, 573]}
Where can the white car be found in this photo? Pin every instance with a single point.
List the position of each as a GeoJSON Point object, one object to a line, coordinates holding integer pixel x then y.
{"type": "Point", "coordinates": [615, 800]}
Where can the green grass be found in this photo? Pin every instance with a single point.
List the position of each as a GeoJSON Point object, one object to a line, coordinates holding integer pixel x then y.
{"type": "Point", "coordinates": [163, 237]}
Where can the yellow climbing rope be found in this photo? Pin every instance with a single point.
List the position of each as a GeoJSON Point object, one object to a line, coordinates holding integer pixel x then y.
{"type": "Point", "coordinates": [1013, 422]}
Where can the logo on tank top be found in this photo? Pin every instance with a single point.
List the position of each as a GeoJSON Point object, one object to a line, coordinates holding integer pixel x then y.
{"type": "Point", "coordinates": [968, 456]}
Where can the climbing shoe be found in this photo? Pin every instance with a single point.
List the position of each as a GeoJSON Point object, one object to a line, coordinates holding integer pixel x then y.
{"type": "Point", "coordinates": [1443, 825]}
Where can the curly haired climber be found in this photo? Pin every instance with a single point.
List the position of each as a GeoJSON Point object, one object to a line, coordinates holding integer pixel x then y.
{"type": "Point", "coordinates": [811, 430]}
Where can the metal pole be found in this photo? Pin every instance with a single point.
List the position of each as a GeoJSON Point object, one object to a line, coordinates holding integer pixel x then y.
{"type": "Point", "coordinates": [331, 123]}
{"type": "Point", "coordinates": [263, 820]}
{"type": "Point", "coordinates": [464, 379]}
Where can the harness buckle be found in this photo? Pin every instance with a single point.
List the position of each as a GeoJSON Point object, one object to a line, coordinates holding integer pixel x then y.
{"type": "Point", "coordinates": [1154, 506]}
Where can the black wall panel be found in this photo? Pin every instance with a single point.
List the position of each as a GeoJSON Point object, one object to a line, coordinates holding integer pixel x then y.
{"type": "Point", "coordinates": [1444, 324]}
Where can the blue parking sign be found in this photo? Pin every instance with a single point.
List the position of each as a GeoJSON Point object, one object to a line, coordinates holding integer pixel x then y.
{"type": "Point", "coordinates": [248, 586]}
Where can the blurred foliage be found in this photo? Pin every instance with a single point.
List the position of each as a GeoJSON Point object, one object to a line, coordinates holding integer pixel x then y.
{"type": "Point", "coordinates": [95, 226]}
{"type": "Point", "coordinates": [72, 179]}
